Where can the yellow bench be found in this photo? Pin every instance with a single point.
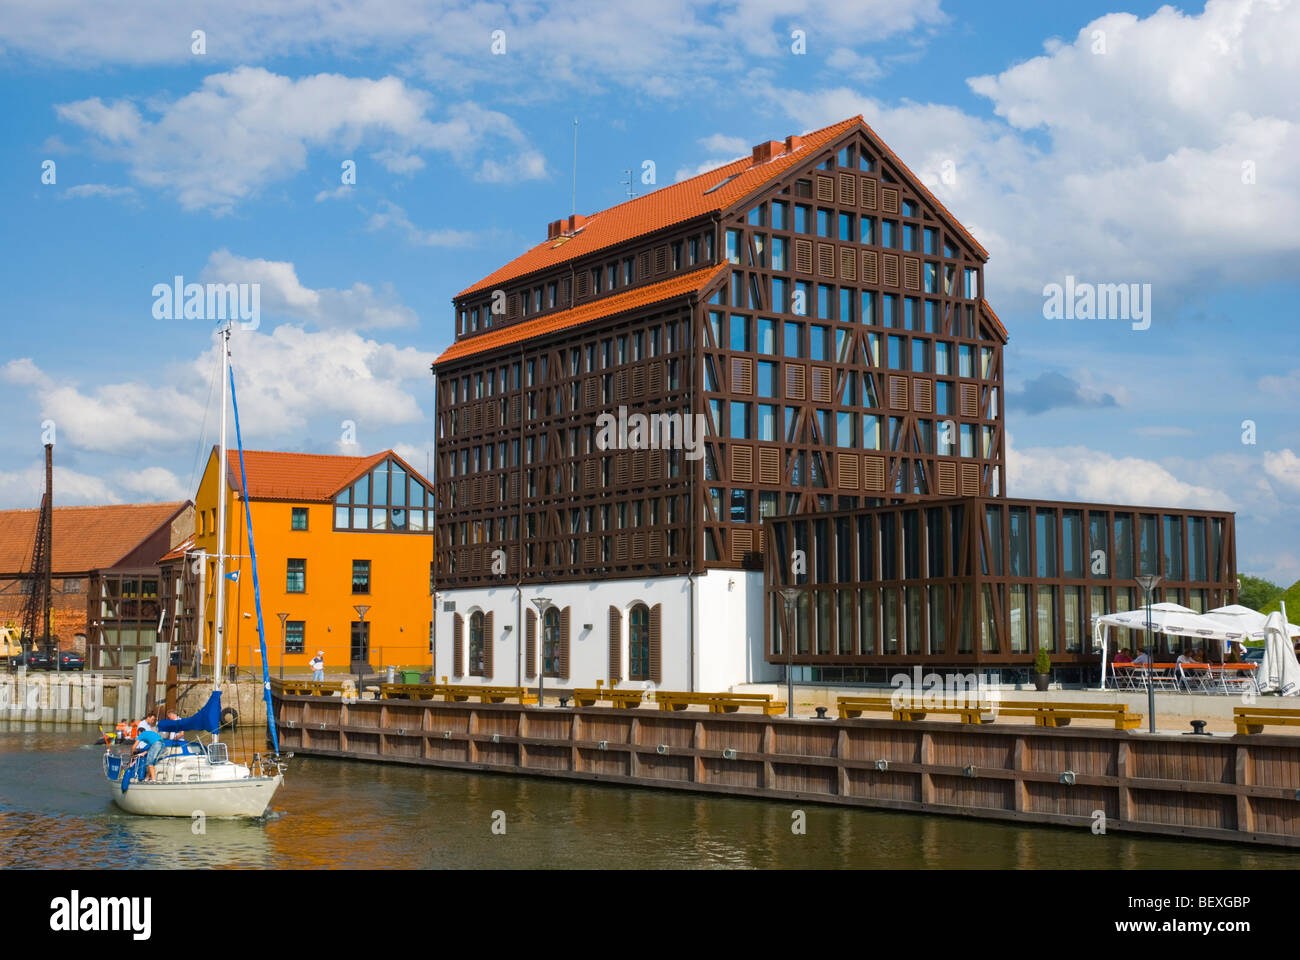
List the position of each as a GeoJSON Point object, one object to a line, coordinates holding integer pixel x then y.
{"type": "Point", "coordinates": [407, 691]}
{"type": "Point", "coordinates": [307, 688]}
{"type": "Point", "coordinates": [1048, 713]}
{"type": "Point", "coordinates": [621, 699]}
{"type": "Point", "coordinates": [1254, 719]}
{"type": "Point", "coordinates": [719, 702]}
{"type": "Point", "coordinates": [850, 707]}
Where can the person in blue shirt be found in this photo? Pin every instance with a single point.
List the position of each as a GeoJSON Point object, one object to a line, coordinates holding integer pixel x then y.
{"type": "Point", "coordinates": [152, 742]}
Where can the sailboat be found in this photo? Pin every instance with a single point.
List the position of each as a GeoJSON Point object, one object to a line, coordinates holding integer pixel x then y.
{"type": "Point", "coordinates": [192, 777]}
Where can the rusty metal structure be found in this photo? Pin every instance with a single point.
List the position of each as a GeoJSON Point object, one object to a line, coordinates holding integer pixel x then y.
{"type": "Point", "coordinates": [36, 628]}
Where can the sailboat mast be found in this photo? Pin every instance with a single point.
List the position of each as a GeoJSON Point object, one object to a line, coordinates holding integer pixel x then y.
{"type": "Point", "coordinates": [220, 620]}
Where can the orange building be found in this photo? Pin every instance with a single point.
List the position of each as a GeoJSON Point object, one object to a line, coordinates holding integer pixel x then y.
{"type": "Point", "coordinates": [344, 549]}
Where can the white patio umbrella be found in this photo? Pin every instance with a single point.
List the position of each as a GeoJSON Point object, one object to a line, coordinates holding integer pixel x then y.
{"type": "Point", "coordinates": [1280, 671]}
{"type": "Point", "coordinates": [1240, 623]}
{"type": "Point", "coordinates": [1169, 618]}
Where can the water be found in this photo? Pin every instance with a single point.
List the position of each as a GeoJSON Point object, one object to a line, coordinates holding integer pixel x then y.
{"type": "Point", "coordinates": [55, 812]}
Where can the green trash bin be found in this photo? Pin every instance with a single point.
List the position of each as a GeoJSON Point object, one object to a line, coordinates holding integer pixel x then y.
{"type": "Point", "coordinates": [410, 676]}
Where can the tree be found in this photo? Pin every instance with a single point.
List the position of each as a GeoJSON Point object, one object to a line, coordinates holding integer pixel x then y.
{"type": "Point", "coordinates": [1256, 592]}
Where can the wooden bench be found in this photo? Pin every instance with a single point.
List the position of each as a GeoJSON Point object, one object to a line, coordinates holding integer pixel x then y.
{"type": "Point", "coordinates": [407, 691]}
{"type": "Point", "coordinates": [906, 709]}
{"type": "Point", "coordinates": [620, 699]}
{"type": "Point", "coordinates": [1254, 719]}
{"type": "Point", "coordinates": [719, 702]}
{"type": "Point", "coordinates": [308, 688]}
{"type": "Point", "coordinates": [1056, 713]}
{"type": "Point", "coordinates": [483, 693]}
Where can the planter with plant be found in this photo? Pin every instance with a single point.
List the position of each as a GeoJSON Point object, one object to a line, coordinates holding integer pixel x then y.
{"type": "Point", "coordinates": [1042, 669]}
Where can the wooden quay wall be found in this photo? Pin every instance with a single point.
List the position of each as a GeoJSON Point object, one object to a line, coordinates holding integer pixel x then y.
{"type": "Point", "coordinates": [1239, 789]}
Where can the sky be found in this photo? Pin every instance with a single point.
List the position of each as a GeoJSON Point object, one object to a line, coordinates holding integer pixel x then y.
{"type": "Point", "coordinates": [364, 161]}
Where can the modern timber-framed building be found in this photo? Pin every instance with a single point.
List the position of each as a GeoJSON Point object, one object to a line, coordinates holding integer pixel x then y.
{"type": "Point", "coordinates": [801, 332]}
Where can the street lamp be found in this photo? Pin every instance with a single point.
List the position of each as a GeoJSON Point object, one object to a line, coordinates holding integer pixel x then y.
{"type": "Point", "coordinates": [284, 639]}
{"type": "Point", "coordinates": [1148, 584]}
{"type": "Point", "coordinates": [789, 595]}
{"type": "Point", "coordinates": [542, 604]}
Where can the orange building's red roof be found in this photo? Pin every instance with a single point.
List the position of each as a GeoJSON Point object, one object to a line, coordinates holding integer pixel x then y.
{"type": "Point", "coordinates": [684, 201]}
{"type": "Point", "coordinates": [675, 286]}
{"type": "Point", "coordinates": [178, 552]}
{"type": "Point", "coordinates": [85, 538]}
{"type": "Point", "coordinates": [311, 477]}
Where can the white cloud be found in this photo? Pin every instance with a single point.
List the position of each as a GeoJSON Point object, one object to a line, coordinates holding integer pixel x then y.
{"type": "Point", "coordinates": [98, 190]}
{"type": "Point", "coordinates": [23, 488]}
{"type": "Point", "coordinates": [1283, 468]}
{"type": "Point", "coordinates": [151, 483]}
{"type": "Point", "coordinates": [1120, 167]}
{"type": "Point", "coordinates": [245, 129]}
{"type": "Point", "coordinates": [282, 293]}
{"type": "Point", "coordinates": [721, 144]}
{"type": "Point", "coordinates": [391, 216]}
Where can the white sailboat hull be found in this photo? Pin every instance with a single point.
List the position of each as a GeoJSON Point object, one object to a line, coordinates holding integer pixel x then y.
{"type": "Point", "coordinates": [219, 799]}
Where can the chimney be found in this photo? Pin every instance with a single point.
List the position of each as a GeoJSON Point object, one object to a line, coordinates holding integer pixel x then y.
{"type": "Point", "coordinates": [793, 143]}
{"type": "Point", "coordinates": [764, 152]}
{"type": "Point", "coordinates": [574, 222]}
{"type": "Point", "coordinates": [553, 229]}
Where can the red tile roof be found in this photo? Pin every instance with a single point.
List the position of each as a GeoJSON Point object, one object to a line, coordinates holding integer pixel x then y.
{"type": "Point", "coordinates": [177, 552]}
{"type": "Point", "coordinates": [996, 320]}
{"type": "Point", "coordinates": [675, 286]}
{"type": "Point", "coordinates": [703, 194]}
{"type": "Point", "coordinates": [85, 538]}
{"type": "Point", "coordinates": [309, 477]}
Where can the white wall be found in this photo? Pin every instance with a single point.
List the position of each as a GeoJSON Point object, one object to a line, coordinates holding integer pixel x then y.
{"type": "Point", "coordinates": [727, 637]}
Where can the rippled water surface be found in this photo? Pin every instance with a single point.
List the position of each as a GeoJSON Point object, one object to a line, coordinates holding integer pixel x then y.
{"type": "Point", "coordinates": [55, 811]}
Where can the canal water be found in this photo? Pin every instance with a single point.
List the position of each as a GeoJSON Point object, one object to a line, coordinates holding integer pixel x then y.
{"type": "Point", "coordinates": [55, 811]}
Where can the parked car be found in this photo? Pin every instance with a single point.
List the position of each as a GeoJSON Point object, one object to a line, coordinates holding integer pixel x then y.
{"type": "Point", "coordinates": [35, 660]}
{"type": "Point", "coordinates": [1253, 655]}
{"type": "Point", "coordinates": [71, 660]}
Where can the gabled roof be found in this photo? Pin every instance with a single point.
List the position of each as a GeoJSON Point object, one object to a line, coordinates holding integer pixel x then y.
{"type": "Point", "coordinates": [306, 477]}
{"type": "Point", "coordinates": [178, 552]}
{"type": "Point", "coordinates": [663, 207]}
{"type": "Point", "coordinates": [85, 538]}
{"type": "Point", "coordinates": [997, 322]}
{"type": "Point", "coordinates": [675, 286]}
{"type": "Point", "coordinates": [710, 192]}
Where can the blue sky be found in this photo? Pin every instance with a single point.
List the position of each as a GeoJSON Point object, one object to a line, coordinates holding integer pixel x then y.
{"type": "Point", "coordinates": [1135, 144]}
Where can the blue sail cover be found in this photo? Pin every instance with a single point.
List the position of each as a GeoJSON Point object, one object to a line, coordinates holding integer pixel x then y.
{"type": "Point", "coordinates": [208, 718]}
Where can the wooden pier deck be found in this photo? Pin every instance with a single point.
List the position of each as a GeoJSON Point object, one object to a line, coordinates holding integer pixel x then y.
{"type": "Point", "coordinates": [1243, 788]}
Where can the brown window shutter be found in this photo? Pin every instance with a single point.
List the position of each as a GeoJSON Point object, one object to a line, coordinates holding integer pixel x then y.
{"type": "Point", "coordinates": [794, 381]}
{"type": "Point", "coordinates": [821, 384]}
{"type": "Point", "coordinates": [803, 256]}
{"type": "Point", "coordinates": [591, 473]}
{"type": "Point", "coordinates": [638, 381]}
{"type": "Point", "coordinates": [846, 469]}
{"type": "Point", "coordinates": [656, 377]}
{"type": "Point", "coordinates": [620, 385]}
{"type": "Point", "coordinates": [615, 645]}
{"type": "Point", "coordinates": [514, 409]}
{"type": "Point", "coordinates": [891, 269]}
{"type": "Point", "coordinates": [656, 644]}
{"type": "Point", "coordinates": [968, 400]}
{"type": "Point", "coordinates": [591, 392]}
{"type": "Point", "coordinates": [889, 200]}
{"type": "Point", "coordinates": [873, 473]}
{"type": "Point", "coordinates": [530, 644]}
{"type": "Point", "coordinates": [582, 285]}
{"type": "Point", "coordinates": [458, 645]}
{"type": "Point", "coordinates": [491, 420]}
{"type": "Point", "coordinates": [947, 478]}
{"type": "Point", "coordinates": [564, 644]}
{"type": "Point", "coordinates": [661, 258]}
{"type": "Point", "coordinates": [970, 479]}
{"type": "Point", "coordinates": [848, 189]}
{"type": "Point", "coordinates": [825, 189]}
{"type": "Point", "coordinates": [643, 264]}
{"type": "Point", "coordinates": [742, 463]}
{"type": "Point", "coordinates": [825, 260]}
{"type": "Point", "coordinates": [898, 393]}
{"type": "Point", "coordinates": [742, 542]}
{"type": "Point", "coordinates": [923, 395]}
{"type": "Point", "coordinates": [638, 546]}
{"type": "Point", "coordinates": [848, 264]}
{"type": "Point", "coordinates": [742, 375]}
{"type": "Point", "coordinates": [868, 193]}
{"type": "Point", "coordinates": [870, 271]}
{"type": "Point", "coordinates": [912, 273]}
{"type": "Point", "coordinates": [489, 645]}
{"type": "Point", "coordinates": [769, 465]}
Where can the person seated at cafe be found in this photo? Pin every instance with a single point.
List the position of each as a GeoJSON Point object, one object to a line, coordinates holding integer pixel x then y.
{"type": "Point", "coordinates": [1143, 657]}
{"type": "Point", "coordinates": [1123, 656]}
{"type": "Point", "coordinates": [1185, 657]}
{"type": "Point", "coordinates": [1198, 655]}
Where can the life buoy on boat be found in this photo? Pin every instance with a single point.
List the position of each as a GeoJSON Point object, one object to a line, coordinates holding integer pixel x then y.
{"type": "Point", "coordinates": [229, 717]}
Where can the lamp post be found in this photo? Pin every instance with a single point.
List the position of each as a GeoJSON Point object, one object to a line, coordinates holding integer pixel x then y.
{"type": "Point", "coordinates": [788, 596]}
{"type": "Point", "coordinates": [542, 604]}
{"type": "Point", "coordinates": [1148, 584]}
{"type": "Point", "coordinates": [284, 639]}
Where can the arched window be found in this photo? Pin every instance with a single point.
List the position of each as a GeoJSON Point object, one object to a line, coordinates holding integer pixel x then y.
{"type": "Point", "coordinates": [551, 643]}
{"type": "Point", "coordinates": [638, 643]}
{"type": "Point", "coordinates": [476, 644]}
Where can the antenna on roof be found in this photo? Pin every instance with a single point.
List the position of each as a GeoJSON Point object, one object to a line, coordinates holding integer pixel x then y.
{"type": "Point", "coordinates": [574, 208]}
{"type": "Point", "coordinates": [628, 183]}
